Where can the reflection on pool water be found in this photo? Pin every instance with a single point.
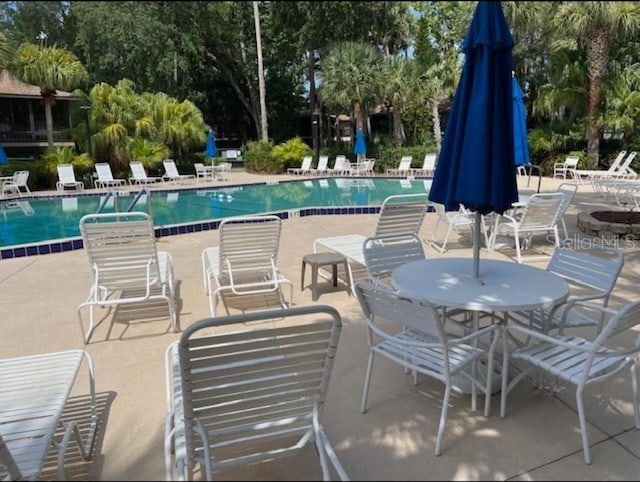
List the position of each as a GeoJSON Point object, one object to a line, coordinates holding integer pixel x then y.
{"type": "Point", "coordinates": [36, 220]}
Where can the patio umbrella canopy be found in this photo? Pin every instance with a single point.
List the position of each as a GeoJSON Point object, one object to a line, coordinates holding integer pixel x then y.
{"type": "Point", "coordinates": [360, 147]}
{"type": "Point", "coordinates": [212, 150]}
{"type": "Point", "coordinates": [3, 157]}
{"type": "Point", "coordinates": [520, 142]}
{"type": "Point", "coordinates": [476, 166]}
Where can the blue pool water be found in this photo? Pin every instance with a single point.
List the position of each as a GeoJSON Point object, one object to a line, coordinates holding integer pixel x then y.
{"type": "Point", "coordinates": [37, 220]}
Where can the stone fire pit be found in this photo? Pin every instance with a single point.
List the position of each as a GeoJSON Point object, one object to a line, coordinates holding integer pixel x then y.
{"type": "Point", "coordinates": [610, 224]}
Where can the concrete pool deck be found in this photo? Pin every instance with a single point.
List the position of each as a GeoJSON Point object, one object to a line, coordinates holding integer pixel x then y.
{"type": "Point", "coordinates": [538, 440]}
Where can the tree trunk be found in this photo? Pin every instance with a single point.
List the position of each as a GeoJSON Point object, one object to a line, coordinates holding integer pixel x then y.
{"type": "Point", "coordinates": [48, 102]}
{"type": "Point", "coordinates": [357, 113]}
{"type": "Point", "coordinates": [263, 100]}
{"type": "Point", "coordinates": [399, 136]}
{"type": "Point", "coordinates": [437, 129]}
{"type": "Point", "coordinates": [311, 75]}
{"type": "Point", "coordinates": [597, 56]}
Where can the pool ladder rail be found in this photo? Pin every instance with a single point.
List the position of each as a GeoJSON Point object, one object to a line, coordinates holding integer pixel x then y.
{"type": "Point", "coordinates": [114, 193]}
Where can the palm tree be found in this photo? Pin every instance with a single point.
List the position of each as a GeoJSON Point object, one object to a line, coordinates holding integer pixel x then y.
{"type": "Point", "coordinates": [263, 100]}
{"type": "Point", "coordinates": [597, 27]}
{"type": "Point", "coordinates": [50, 68]}
{"type": "Point", "coordinates": [402, 83]}
{"type": "Point", "coordinates": [351, 78]}
{"type": "Point", "coordinates": [622, 105]}
{"type": "Point", "coordinates": [147, 152]}
{"type": "Point", "coordinates": [5, 51]}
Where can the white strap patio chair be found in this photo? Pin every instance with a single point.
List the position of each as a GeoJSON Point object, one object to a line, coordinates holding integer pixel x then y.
{"type": "Point", "coordinates": [569, 191]}
{"type": "Point", "coordinates": [323, 161]}
{"type": "Point", "coordinates": [454, 220]}
{"type": "Point", "coordinates": [305, 167]}
{"type": "Point", "coordinates": [580, 362]}
{"type": "Point", "coordinates": [105, 177]}
{"type": "Point", "coordinates": [428, 166]}
{"type": "Point", "coordinates": [171, 172]}
{"type": "Point", "coordinates": [202, 172]}
{"type": "Point", "coordinates": [250, 395]}
{"type": "Point", "coordinates": [339, 168]}
{"type": "Point", "coordinates": [35, 390]}
{"type": "Point", "coordinates": [16, 184]}
{"type": "Point", "coordinates": [223, 171]}
{"type": "Point", "coordinates": [244, 265]}
{"type": "Point", "coordinates": [568, 166]}
{"type": "Point", "coordinates": [67, 178]}
{"type": "Point", "coordinates": [540, 216]}
{"type": "Point", "coordinates": [140, 175]}
{"type": "Point", "coordinates": [623, 171]}
{"type": "Point", "coordinates": [421, 344]}
{"type": "Point", "coordinates": [399, 214]}
{"type": "Point", "coordinates": [382, 254]}
{"type": "Point", "coordinates": [591, 276]}
{"type": "Point", "coordinates": [404, 168]}
{"type": "Point", "coordinates": [123, 258]}
{"type": "Point", "coordinates": [582, 174]}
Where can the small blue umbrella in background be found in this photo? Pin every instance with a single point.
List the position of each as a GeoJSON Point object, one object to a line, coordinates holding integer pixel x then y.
{"type": "Point", "coordinates": [476, 165]}
{"type": "Point", "coordinates": [3, 157]}
{"type": "Point", "coordinates": [360, 147]}
{"type": "Point", "coordinates": [212, 150]}
{"type": "Point", "coordinates": [520, 142]}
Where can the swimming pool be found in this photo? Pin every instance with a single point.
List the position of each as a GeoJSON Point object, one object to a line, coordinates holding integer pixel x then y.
{"type": "Point", "coordinates": [35, 220]}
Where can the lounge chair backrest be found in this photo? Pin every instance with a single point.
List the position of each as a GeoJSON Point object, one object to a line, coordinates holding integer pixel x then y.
{"type": "Point", "coordinates": [597, 269]}
{"type": "Point", "coordinates": [20, 178]}
{"type": "Point", "coordinates": [66, 174]}
{"type": "Point", "coordinates": [616, 163]}
{"type": "Point", "coordinates": [121, 249]}
{"type": "Point", "coordinates": [249, 249]}
{"type": "Point", "coordinates": [339, 164]}
{"type": "Point", "coordinates": [627, 163]}
{"type": "Point", "coordinates": [248, 387]}
{"type": "Point", "coordinates": [429, 162]}
{"type": "Point", "coordinates": [306, 163]}
{"type": "Point", "coordinates": [385, 253]}
{"type": "Point", "coordinates": [405, 163]}
{"type": "Point", "coordinates": [137, 169]}
{"type": "Point", "coordinates": [401, 214]}
{"type": "Point", "coordinates": [199, 167]}
{"type": "Point", "coordinates": [571, 162]}
{"type": "Point", "coordinates": [322, 163]}
{"type": "Point", "coordinates": [104, 172]}
{"type": "Point", "coordinates": [569, 192]}
{"type": "Point", "coordinates": [542, 210]}
{"type": "Point", "coordinates": [170, 168]}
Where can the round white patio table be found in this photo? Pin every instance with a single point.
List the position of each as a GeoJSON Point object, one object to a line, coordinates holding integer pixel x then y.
{"type": "Point", "coordinates": [503, 286]}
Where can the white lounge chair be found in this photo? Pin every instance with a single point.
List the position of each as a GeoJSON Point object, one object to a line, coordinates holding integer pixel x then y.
{"type": "Point", "coordinates": [428, 166]}
{"type": "Point", "coordinates": [171, 172]}
{"type": "Point", "coordinates": [591, 276]}
{"type": "Point", "coordinates": [569, 165]}
{"type": "Point", "coordinates": [105, 177]}
{"type": "Point", "coordinates": [591, 173]}
{"type": "Point", "coordinates": [202, 172]}
{"type": "Point", "coordinates": [323, 161]}
{"type": "Point", "coordinates": [35, 390]}
{"type": "Point", "coordinates": [569, 191]}
{"type": "Point", "coordinates": [454, 220]}
{"type": "Point", "coordinates": [540, 216]}
{"type": "Point", "coordinates": [305, 168]}
{"type": "Point", "coordinates": [404, 168]}
{"type": "Point", "coordinates": [16, 184]}
{"type": "Point", "coordinates": [140, 175]}
{"type": "Point", "coordinates": [67, 178]}
{"type": "Point", "coordinates": [339, 168]}
{"type": "Point", "coordinates": [399, 214]}
{"type": "Point", "coordinates": [421, 344]}
{"type": "Point", "coordinates": [123, 258]}
{"type": "Point", "coordinates": [250, 394]}
{"type": "Point", "coordinates": [581, 362]}
{"type": "Point", "coordinates": [244, 265]}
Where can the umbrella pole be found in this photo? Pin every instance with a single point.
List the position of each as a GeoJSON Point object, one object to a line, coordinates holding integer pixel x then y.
{"type": "Point", "coordinates": [476, 245]}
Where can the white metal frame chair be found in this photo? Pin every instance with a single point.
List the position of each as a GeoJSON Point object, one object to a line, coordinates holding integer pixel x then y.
{"type": "Point", "coordinates": [569, 165]}
{"type": "Point", "coordinates": [223, 171]}
{"type": "Point", "coordinates": [105, 177]}
{"type": "Point", "coordinates": [404, 168]}
{"type": "Point", "coordinates": [338, 168]}
{"type": "Point", "coordinates": [244, 265]}
{"type": "Point", "coordinates": [122, 254]}
{"type": "Point", "coordinates": [140, 174]}
{"type": "Point", "coordinates": [569, 190]}
{"type": "Point", "coordinates": [428, 165]}
{"type": "Point", "coordinates": [578, 361]}
{"type": "Point", "coordinates": [454, 220]}
{"type": "Point", "coordinates": [202, 172]}
{"type": "Point", "coordinates": [304, 168]}
{"type": "Point", "coordinates": [232, 395]}
{"type": "Point", "coordinates": [399, 214]}
{"type": "Point", "coordinates": [35, 390]}
{"type": "Point", "coordinates": [15, 185]}
{"type": "Point", "coordinates": [591, 276]}
{"type": "Point", "coordinates": [540, 216]}
{"type": "Point", "coordinates": [171, 173]}
{"type": "Point", "coordinates": [382, 254]}
{"type": "Point", "coordinates": [422, 345]}
{"type": "Point", "coordinates": [67, 178]}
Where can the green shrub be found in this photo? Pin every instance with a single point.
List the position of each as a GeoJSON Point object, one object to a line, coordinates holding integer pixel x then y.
{"type": "Point", "coordinates": [258, 157]}
{"type": "Point", "coordinates": [149, 153]}
{"type": "Point", "coordinates": [586, 162]}
{"type": "Point", "coordinates": [389, 157]}
{"type": "Point", "coordinates": [289, 154]}
{"type": "Point", "coordinates": [53, 156]}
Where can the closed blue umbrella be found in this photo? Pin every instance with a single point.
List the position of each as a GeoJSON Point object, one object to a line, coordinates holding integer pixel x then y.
{"type": "Point", "coordinates": [212, 150]}
{"type": "Point", "coordinates": [520, 143]}
{"type": "Point", "coordinates": [3, 156]}
{"type": "Point", "coordinates": [360, 147]}
{"type": "Point", "coordinates": [476, 165]}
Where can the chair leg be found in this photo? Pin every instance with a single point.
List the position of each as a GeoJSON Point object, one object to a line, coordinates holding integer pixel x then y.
{"type": "Point", "coordinates": [516, 235]}
{"type": "Point", "coordinates": [634, 388]}
{"type": "Point", "coordinates": [583, 426]}
{"type": "Point", "coordinates": [367, 383]}
{"type": "Point", "coordinates": [443, 419]}
{"type": "Point", "coordinates": [505, 370]}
